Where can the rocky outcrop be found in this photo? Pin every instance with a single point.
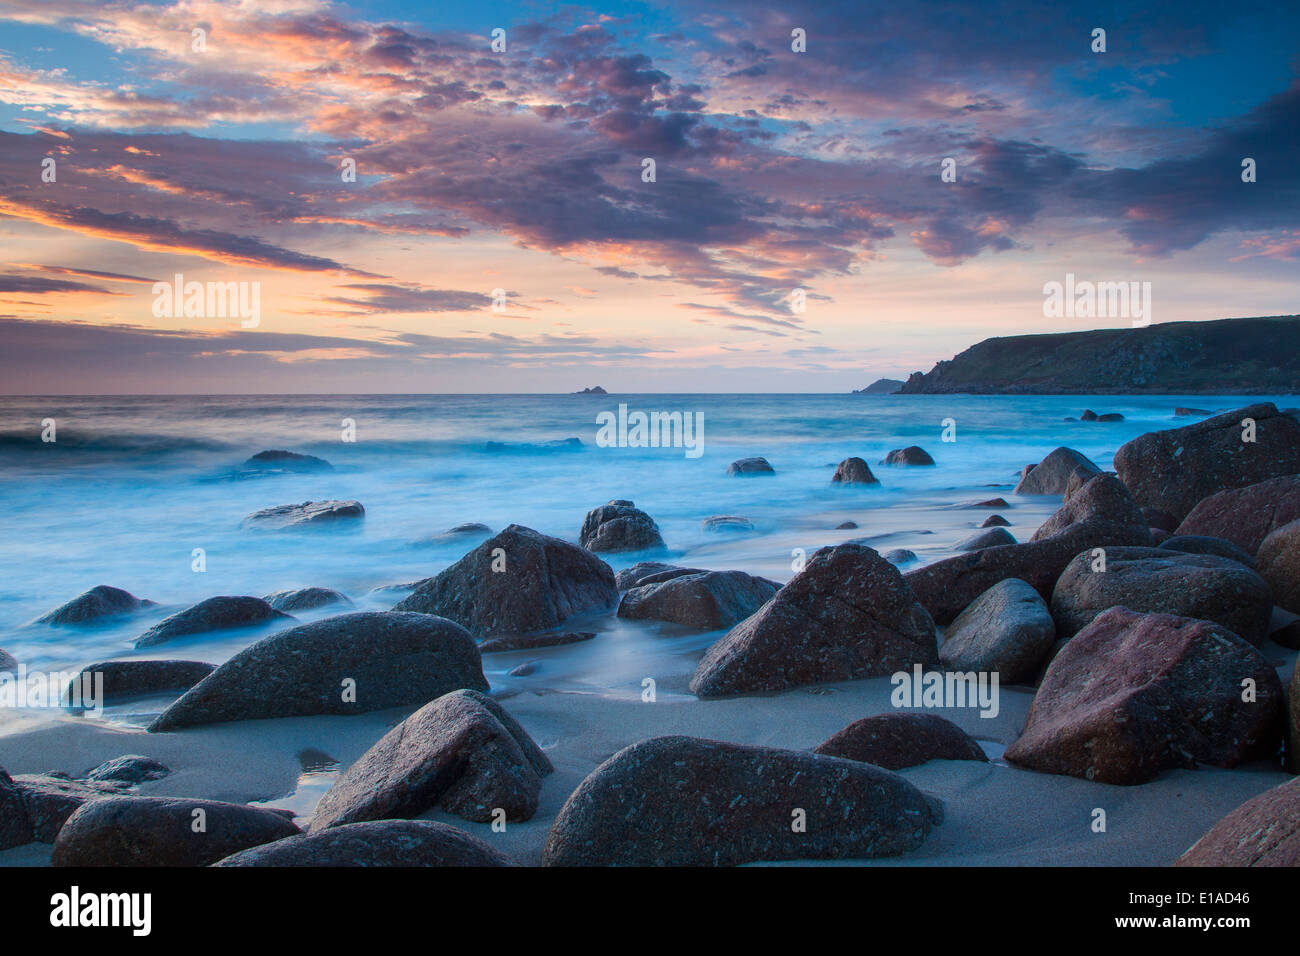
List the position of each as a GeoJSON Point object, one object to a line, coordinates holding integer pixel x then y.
{"type": "Point", "coordinates": [306, 599]}
{"type": "Point", "coordinates": [124, 679]}
{"type": "Point", "coordinates": [853, 471]}
{"type": "Point", "coordinates": [1007, 629]}
{"type": "Point", "coordinates": [619, 526]}
{"type": "Point", "coordinates": [1264, 831]}
{"type": "Point", "coordinates": [1279, 565]}
{"type": "Point", "coordinates": [516, 582]}
{"type": "Point", "coordinates": [95, 605]}
{"type": "Point", "coordinates": [896, 741]}
{"type": "Point", "coordinates": [707, 601]}
{"type": "Point", "coordinates": [307, 514]}
{"type": "Point", "coordinates": [911, 455]}
{"type": "Point", "coordinates": [847, 615]}
{"type": "Point", "coordinates": [129, 770]}
{"type": "Point", "coordinates": [1051, 476]}
{"type": "Point", "coordinates": [1101, 514]}
{"type": "Point", "coordinates": [1202, 586]}
{"type": "Point", "coordinates": [278, 461]}
{"type": "Point", "coordinates": [349, 664]}
{"type": "Point", "coordinates": [750, 466]}
{"type": "Point", "coordinates": [1134, 694]}
{"type": "Point", "coordinates": [214, 614]}
{"type": "Point", "coordinates": [1174, 470]}
{"type": "Point", "coordinates": [462, 752]}
{"type": "Point", "coordinates": [390, 843]}
{"type": "Point", "coordinates": [1246, 516]}
{"type": "Point", "coordinates": [726, 523]}
{"type": "Point", "coordinates": [681, 801]}
{"type": "Point", "coordinates": [164, 831]}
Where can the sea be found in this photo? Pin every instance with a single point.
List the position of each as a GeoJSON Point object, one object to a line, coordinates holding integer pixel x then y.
{"type": "Point", "coordinates": [132, 491]}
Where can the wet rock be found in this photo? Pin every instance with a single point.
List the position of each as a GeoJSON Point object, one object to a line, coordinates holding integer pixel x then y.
{"type": "Point", "coordinates": [540, 582]}
{"type": "Point", "coordinates": [130, 769]}
{"type": "Point", "coordinates": [1202, 544]}
{"type": "Point", "coordinates": [1203, 586]}
{"type": "Point", "coordinates": [911, 455]}
{"type": "Point", "coordinates": [286, 462]}
{"type": "Point", "coordinates": [214, 614]}
{"type": "Point", "coordinates": [1101, 514]}
{"type": "Point", "coordinates": [1279, 565]}
{"type": "Point", "coordinates": [681, 801]}
{"type": "Point", "coordinates": [750, 466]}
{"type": "Point", "coordinates": [1173, 470]}
{"type": "Point", "coordinates": [1246, 516]}
{"type": "Point", "coordinates": [853, 471]}
{"type": "Point", "coordinates": [1007, 629]}
{"type": "Point", "coordinates": [900, 556]}
{"type": "Point", "coordinates": [847, 615]}
{"type": "Point", "coordinates": [50, 799]}
{"type": "Point", "coordinates": [1264, 831]}
{"type": "Point", "coordinates": [348, 664]}
{"type": "Point", "coordinates": [846, 526]}
{"type": "Point", "coordinates": [495, 645]}
{"type": "Point", "coordinates": [985, 539]}
{"type": "Point", "coordinates": [899, 740]}
{"type": "Point", "coordinates": [1088, 415]}
{"type": "Point", "coordinates": [462, 752]}
{"type": "Point", "coordinates": [995, 521]}
{"type": "Point", "coordinates": [619, 526]}
{"type": "Point", "coordinates": [160, 831]}
{"type": "Point", "coordinates": [525, 669]}
{"type": "Point", "coordinates": [722, 523]}
{"type": "Point", "coordinates": [469, 529]}
{"type": "Point", "coordinates": [95, 605]}
{"type": "Point", "coordinates": [122, 679]}
{"type": "Point", "coordinates": [650, 572]}
{"type": "Point", "coordinates": [1180, 411]}
{"type": "Point", "coordinates": [1052, 474]}
{"type": "Point", "coordinates": [8, 663]}
{"type": "Point", "coordinates": [707, 601]}
{"type": "Point", "coordinates": [306, 599]}
{"type": "Point", "coordinates": [313, 514]}
{"type": "Point", "coordinates": [390, 843]}
{"type": "Point", "coordinates": [1134, 694]}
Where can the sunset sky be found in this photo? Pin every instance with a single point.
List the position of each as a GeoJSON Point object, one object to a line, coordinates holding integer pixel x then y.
{"type": "Point", "coordinates": [522, 170]}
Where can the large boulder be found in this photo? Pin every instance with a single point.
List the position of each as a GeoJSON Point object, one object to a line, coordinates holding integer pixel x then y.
{"type": "Point", "coordinates": [379, 843]}
{"type": "Point", "coordinates": [349, 664]}
{"type": "Point", "coordinates": [15, 828]}
{"type": "Point", "coordinates": [306, 599]}
{"type": "Point", "coordinates": [462, 752]}
{"type": "Point", "coordinates": [1279, 564]}
{"type": "Point", "coordinates": [853, 471]}
{"type": "Point", "coordinates": [95, 605]}
{"type": "Point", "coordinates": [49, 800]}
{"type": "Point", "coordinates": [1051, 476]}
{"type": "Point", "coordinates": [989, 538]}
{"type": "Point", "coordinates": [136, 678]}
{"type": "Point", "coordinates": [1204, 544]}
{"type": "Point", "coordinates": [1134, 694]}
{"type": "Point", "coordinates": [1203, 586]}
{"type": "Point", "coordinates": [1173, 470]}
{"type": "Point", "coordinates": [619, 526]}
{"type": "Point", "coordinates": [307, 514]}
{"type": "Point", "coordinates": [1264, 831]}
{"type": "Point", "coordinates": [681, 801]}
{"type": "Point", "coordinates": [749, 467]}
{"type": "Point", "coordinates": [847, 615]}
{"type": "Point", "coordinates": [650, 572]}
{"type": "Point", "coordinates": [1246, 516]}
{"type": "Point", "coordinates": [1101, 514]}
{"type": "Point", "coordinates": [214, 614]}
{"type": "Point", "coordinates": [911, 455]}
{"type": "Point", "coordinates": [164, 831]}
{"type": "Point", "coordinates": [1007, 629]}
{"type": "Point", "coordinates": [515, 582]}
{"type": "Point", "coordinates": [899, 740]}
{"type": "Point", "coordinates": [708, 601]}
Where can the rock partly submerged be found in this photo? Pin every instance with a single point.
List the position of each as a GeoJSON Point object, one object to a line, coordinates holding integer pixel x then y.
{"type": "Point", "coordinates": [517, 582]}
{"type": "Point", "coordinates": [682, 801]}
{"type": "Point", "coordinates": [280, 461]}
{"type": "Point", "coordinates": [1134, 694]}
{"type": "Point", "coordinates": [306, 599]}
{"type": "Point", "coordinates": [307, 514]}
{"type": "Point", "coordinates": [749, 467]}
{"type": "Point", "coordinates": [853, 471]}
{"type": "Point", "coordinates": [123, 679]}
{"type": "Point", "coordinates": [708, 601]}
{"type": "Point", "coordinates": [214, 614]}
{"type": "Point", "coordinates": [348, 664]}
{"type": "Point", "coordinates": [911, 455]}
{"type": "Point", "coordinates": [619, 526]}
{"type": "Point", "coordinates": [462, 752]}
{"type": "Point", "coordinates": [848, 614]}
{"type": "Point", "coordinates": [98, 604]}
{"type": "Point", "coordinates": [1051, 475]}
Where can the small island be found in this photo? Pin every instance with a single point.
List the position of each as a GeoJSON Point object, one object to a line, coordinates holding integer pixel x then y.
{"type": "Point", "coordinates": [594, 390]}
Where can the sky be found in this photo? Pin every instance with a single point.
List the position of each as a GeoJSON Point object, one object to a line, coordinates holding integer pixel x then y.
{"type": "Point", "coordinates": [503, 232]}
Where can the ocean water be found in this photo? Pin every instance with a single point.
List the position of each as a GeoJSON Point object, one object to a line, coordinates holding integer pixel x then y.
{"type": "Point", "coordinates": [133, 485]}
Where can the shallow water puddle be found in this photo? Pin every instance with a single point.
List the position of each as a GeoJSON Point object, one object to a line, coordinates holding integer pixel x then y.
{"type": "Point", "coordinates": [319, 772]}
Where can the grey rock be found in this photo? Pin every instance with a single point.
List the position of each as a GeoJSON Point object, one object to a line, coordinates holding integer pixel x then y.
{"type": "Point", "coordinates": [306, 599]}
{"type": "Point", "coordinates": [853, 471]}
{"type": "Point", "coordinates": [130, 769]}
{"type": "Point", "coordinates": [214, 614]}
{"type": "Point", "coordinates": [1204, 544]}
{"type": "Point", "coordinates": [378, 843]}
{"type": "Point", "coordinates": [911, 455]}
{"type": "Point", "coordinates": [986, 539]}
{"type": "Point", "coordinates": [1007, 629]}
{"type": "Point", "coordinates": [122, 679]}
{"type": "Point", "coordinates": [899, 740]}
{"type": "Point", "coordinates": [95, 605]}
{"type": "Point", "coordinates": [1051, 475]}
{"type": "Point", "coordinates": [329, 513]}
{"type": "Point", "coordinates": [619, 526]}
{"type": "Point", "coordinates": [708, 601]}
{"type": "Point", "coordinates": [750, 466]}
